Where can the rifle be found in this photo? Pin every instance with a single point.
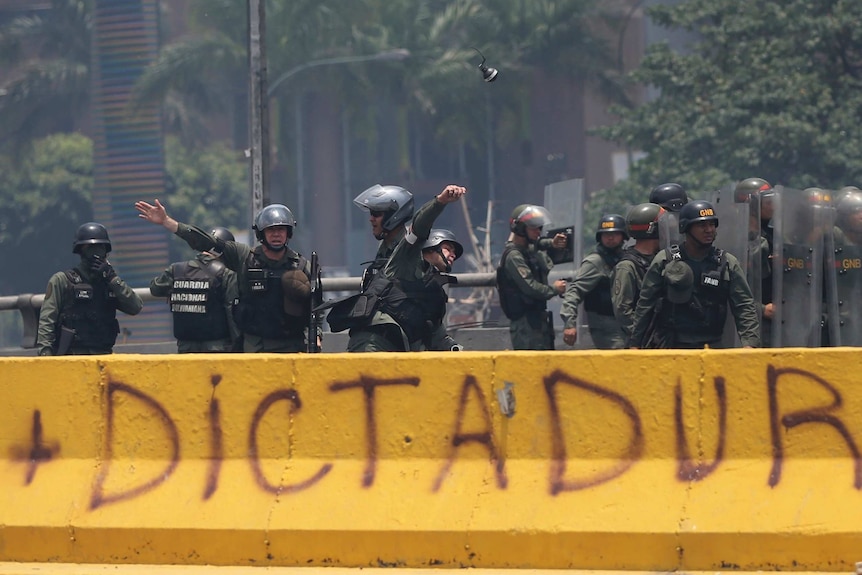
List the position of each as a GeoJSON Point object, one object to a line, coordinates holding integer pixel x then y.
{"type": "Point", "coordinates": [314, 317]}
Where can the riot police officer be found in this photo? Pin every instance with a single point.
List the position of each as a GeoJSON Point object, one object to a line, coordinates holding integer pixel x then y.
{"type": "Point", "coordinates": [688, 289]}
{"type": "Point", "coordinates": [79, 313]}
{"type": "Point", "coordinates": [642, 226]}
{"type": "Point", "coordinates": [760, 195]}
{"type": "Point", "coordinates": [522, 279]}
{"type": "Point", "coordinates": [592, 286]}
{"type": "Point", "coordinates": [403, 306]}
{"type": "Point", "coordinates": [201, 293]}
{"type": "Point", "coordinates": [274, 280]}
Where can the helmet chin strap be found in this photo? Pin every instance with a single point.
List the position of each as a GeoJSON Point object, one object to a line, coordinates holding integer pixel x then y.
{"type": "Point", "coordinates": [697, 241]}
{"type": "Point", "coordinates": [269, 246]}
{"type": "Point", "coordinates": [439, 250]}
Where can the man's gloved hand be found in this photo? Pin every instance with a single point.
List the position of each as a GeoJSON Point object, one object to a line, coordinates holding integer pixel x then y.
{"type": "Point", "coordinates": [46, 351]}
{"type": "Point", "coordinates": [103, 268]}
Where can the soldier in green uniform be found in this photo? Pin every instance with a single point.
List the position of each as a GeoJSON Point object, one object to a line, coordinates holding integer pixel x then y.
{"type": "Point", "coordinates": [389, 209]}
{"type": "Point", "coordinates": [642, 226]}
{"type": "Point", "coordinates": [760, 192]}
{"type": "Point", "coordinates": [522, 278]}
{"type": "Point", "coordinates": [402, 308]}
{"type": "Point", "coordinates": [79, 313]}
{"type": "Point", "coordinates": [688, 288]}
{"type": "Point", "coordinates": [592, 286]}
{"type": "Point", "coordinates": [274, 281]}
{"type": "Point", "coordinates": [201, 293]}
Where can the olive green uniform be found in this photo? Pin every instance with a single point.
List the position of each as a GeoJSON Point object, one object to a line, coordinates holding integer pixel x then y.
{"type": "Point", "coordinates": [406, 263]}
{"type": "Point", "coordinates": [235, 255]}
{"type": "Point", "coordinates": [626, 281]}
{"type": "Point", "coordinates": [161, 287]}
{"type": "Point", "coordinates": [653, 294]}
{"type": "Point", "coordinates": [58, 299]}
{"type": "Point", "coordinates": [595, 270]}
{"type": "Point", "coordinates": [533, 330]}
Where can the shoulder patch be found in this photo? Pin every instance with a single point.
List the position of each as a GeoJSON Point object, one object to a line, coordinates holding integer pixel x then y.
{"type": "Point", "coordinates": [524, 272]}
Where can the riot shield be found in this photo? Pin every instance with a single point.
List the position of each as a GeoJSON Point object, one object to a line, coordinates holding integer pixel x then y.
{"type": "Point", "coordinates": [802, 220]}
{"type": "Point", "coordinates": [739, 234]}
{"type": "Point", "coordinates": [844, 278]}
{"type": "Point", "coordinates": [668, 230]}
{"type": "Point", "coordinates": [565, 201]}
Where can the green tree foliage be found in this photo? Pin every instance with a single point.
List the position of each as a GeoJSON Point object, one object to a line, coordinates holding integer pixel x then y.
{"type": "Point", "coordinates": [43, 199]}
{"type": "Point", "coordinates": [769, 88]}
{"type": "Point", "coordinates": [207, 188]}
{"type": "Point", "coordinates": [48, 59]}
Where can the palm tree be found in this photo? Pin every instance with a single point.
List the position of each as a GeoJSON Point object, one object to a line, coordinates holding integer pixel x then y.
{"type": "Point", "coordinates": [47, 90]}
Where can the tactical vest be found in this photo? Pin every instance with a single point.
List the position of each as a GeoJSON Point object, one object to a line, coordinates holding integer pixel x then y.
{"type": "Point", "coordinates": [92, 313]}
{"type": "Point", "coordinates": [515, 303]}
{"type": "Point", "coordinates": [197, 301]}
{"type": "Point", "coordinates": [368, 274]}
{"type": "Point", "coordinates": [261, 308]}
{"type": "Point", "coordinates": [703, 316]}
{"type": "Point", "coordinates": [598, 300]}
{"type": "Point", "coordinates": [418, 306]}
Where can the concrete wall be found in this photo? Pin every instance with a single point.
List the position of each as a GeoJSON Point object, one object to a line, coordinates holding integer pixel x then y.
{"type": "Point", "coordinates": [636, 460]}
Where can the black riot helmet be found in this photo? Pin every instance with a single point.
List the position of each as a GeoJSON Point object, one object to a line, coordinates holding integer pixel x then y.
{"type": "Point", "coordinates": [436, 237]}
{"type": "Point", "coordinates": [671, 197]}
{"type": "Point", "coordinates": [90, 233]}
{"type": "Point", "coordinates": [222, 234]}
{"type": "Point", "coordinates": [642, 221]}
{"type": "Point", "coordinates": [395, 201]}
{"type": "Point", "coordinates": [611, 223]}
{"type": "Point", "coordinates": [696, 211]}
{"type": "Point", "coordinates": [751, 188]}
{"type": "Point", "coordinates": [273, 215]}
{"type": "Point", "coordinates": [528, 216]}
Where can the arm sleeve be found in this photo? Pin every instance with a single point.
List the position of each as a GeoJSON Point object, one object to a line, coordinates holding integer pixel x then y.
{"type": "Point", "coordinates": [195, 237]}
{"type": "Point", "coordinates": [742, 305]}
{"type": "Point", "coordinates": [127, 300]}
{"type": "Point", "coordinates": [49, 314]}
{"type": "Point", "coordinates": [160, 286]}
{"type": "Point", "coordinates": [517, 269]}
{"type": "Point", "coordinates": [424, 220]}
{"type": "Point", "coordinates": [586, 280]}
{"type": "Point", "coordinates": [231, 293]}
{"type": "Point", "coordinates": [623, 288]}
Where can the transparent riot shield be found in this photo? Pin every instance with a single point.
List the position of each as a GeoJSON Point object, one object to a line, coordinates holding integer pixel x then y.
{"type": "Point", "coordinates": [668, 230]}
{"type": "Point", "coordinates": [565, 201]}
{"type": "Point", "coordinates": [802, 220]}
{"type": "Point", "coordinates": [739, 234]}
{"type": "Point", "coordinates": [844, 282]}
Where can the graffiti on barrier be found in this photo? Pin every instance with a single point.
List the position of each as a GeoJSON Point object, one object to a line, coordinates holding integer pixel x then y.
{"type": "Point", "coordinates": [481, 432]}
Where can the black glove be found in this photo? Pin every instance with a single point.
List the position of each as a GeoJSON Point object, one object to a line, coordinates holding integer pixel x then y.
{"type": "Point", "coordinates": [46, 351]}
{"type": "Point", "coordinates": [103, 269]}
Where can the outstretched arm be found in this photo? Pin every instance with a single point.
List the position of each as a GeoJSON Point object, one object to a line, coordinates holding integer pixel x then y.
{"type": "Point", "coordinates": [198, 239]}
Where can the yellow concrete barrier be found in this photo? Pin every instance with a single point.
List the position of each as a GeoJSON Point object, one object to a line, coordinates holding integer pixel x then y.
{"type": "Point", "coordinates": [633, 460]}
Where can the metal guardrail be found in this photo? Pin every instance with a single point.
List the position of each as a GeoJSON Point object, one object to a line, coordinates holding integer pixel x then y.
{"type": "Point", "coordinates": [28, 304]}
